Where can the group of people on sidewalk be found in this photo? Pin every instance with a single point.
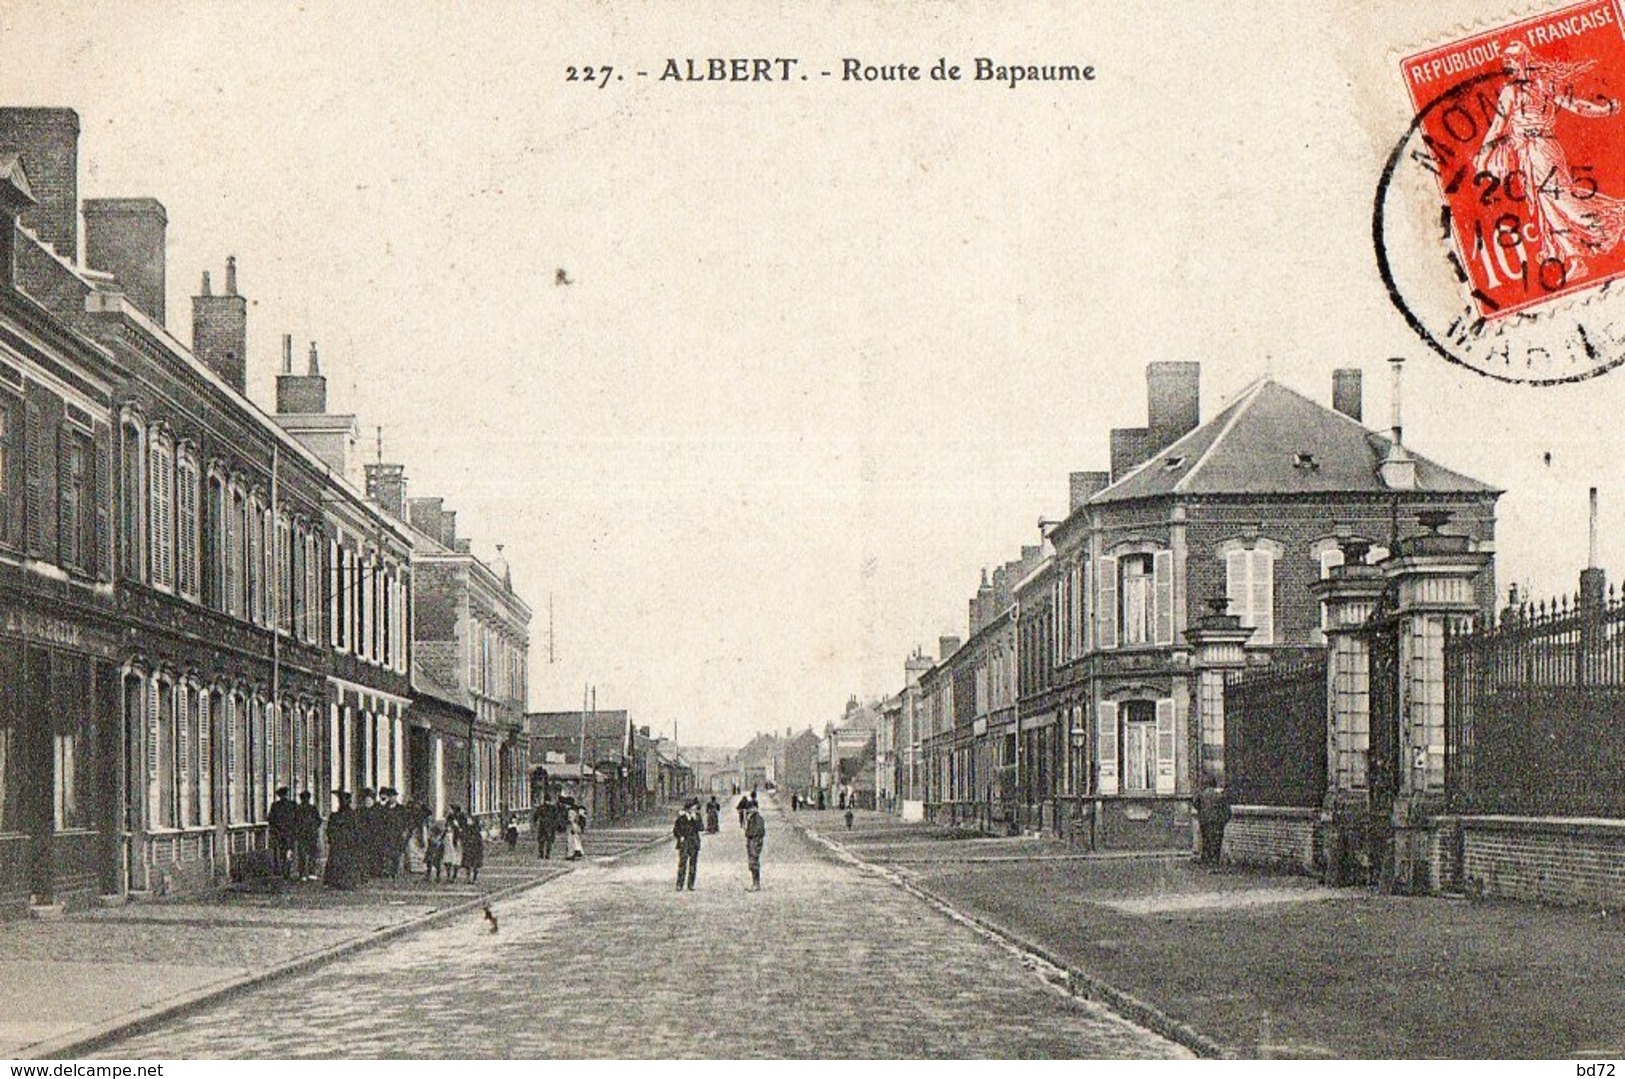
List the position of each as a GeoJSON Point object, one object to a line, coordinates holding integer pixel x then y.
{"type": "Point", "coordinates": [382, 838]}
{"type": "Point", "coordinates": [689, 826]}
{"type": "Point", "coordinates": [552, 819]}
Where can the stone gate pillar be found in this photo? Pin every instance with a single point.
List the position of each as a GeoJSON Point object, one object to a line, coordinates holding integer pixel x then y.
{"type": "Point", "coordinates": [1432, 578]}
{"type": "Point", "coordinates": [1217, 642]}
{"type": "Point", "coordinates": [1349, 593]}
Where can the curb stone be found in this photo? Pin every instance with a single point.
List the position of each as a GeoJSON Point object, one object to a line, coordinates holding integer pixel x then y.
{"type": "Point", "coordinates": [1077, 982]}
{"type": "Point", "coordinates": [146, 1017]}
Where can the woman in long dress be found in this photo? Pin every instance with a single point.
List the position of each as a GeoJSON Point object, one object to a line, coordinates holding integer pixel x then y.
{"type": "Point", "coordinates": [578, 820]}
{"type": "Point", "coordinates": [451, 858]}
{"type": "Point", "coordinates": [343, 870]}
{"type": "Point", "coordinates": [473, 848]}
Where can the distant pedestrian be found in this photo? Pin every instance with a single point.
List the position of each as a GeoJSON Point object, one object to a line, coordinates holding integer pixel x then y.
{"type": "Point", "coordinates": [577, 826]}
{"type": "Point", "coordinates": [821, 801]}
{"type": "Point", "coordinates": [307, 833]}
{"type": "Point", "coordinates": [344, 852]}
{"type": "Point", "coordinates": [849, 818]}
{"type": "Point", "coordinates": [510, 832]}
{"type": "Point", "coordinates": [744, 801]}
{"type": "Point", "coordinates": [713, 809]}
{"type": "Point", "coordinates": [451, 855]}
{"type": "Point", "coordinates": [434, 849]}
{"type": "Point", "coordinates": [284, 828]}
{"type": "Point", "coordinates": [544, 818]}
{"type": "Point", "coordinates": [473, 848]}
{"type": "Point", "coordinates": [755, 835]}
{"type": "Point", "coordinates": [687, 831]}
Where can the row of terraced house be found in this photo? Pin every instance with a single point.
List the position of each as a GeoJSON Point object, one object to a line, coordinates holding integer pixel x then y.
{"type": "Point", "coordinates": [1086, 698]}
{"type": "Point", "coordinates": [201, 600]}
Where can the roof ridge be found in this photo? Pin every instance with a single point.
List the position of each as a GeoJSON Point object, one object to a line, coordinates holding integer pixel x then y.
{"type": "Point", "coordinates": [1243, 403]}
{"type": "Point", "coordinates": [1145, 464]}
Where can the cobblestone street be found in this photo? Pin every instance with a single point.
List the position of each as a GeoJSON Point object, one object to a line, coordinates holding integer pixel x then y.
{"type": "Point", "coordinates": [610, 961]}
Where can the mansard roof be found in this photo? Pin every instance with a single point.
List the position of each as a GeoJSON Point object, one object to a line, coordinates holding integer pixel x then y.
{"type": "Point", "coordinates": [1272, 440]}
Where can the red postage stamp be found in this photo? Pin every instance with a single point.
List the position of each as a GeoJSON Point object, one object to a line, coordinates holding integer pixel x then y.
{"type": "Point", "coordinates": [1523, 127]}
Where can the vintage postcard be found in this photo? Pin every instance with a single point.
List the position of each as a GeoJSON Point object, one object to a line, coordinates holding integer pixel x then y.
{"type": "Point", "coordinates": [875, 531]}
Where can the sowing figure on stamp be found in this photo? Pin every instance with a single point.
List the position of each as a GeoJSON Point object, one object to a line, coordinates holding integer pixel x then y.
{"type": "Point", "coordinates": [1521, 142]}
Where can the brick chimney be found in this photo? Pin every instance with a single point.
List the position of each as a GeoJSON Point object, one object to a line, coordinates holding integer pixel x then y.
{"type": "Point", "coordinates": [947, 646]}
{"type": "Point", "coordinates": [16, 195]}
{"type": "Point", "coordinates": [125, 237]}
{"type": "Point", "coordinates": [1346, 392]}
{"type": "Point", "coordinates": [1173, 391]}
{"type": "Point", "coordinates": [48, 140]}
{"type": "Point", "coordinates": [302, 395]}
{"type": "Point", "coordinates": [220, 330]}
{"type": "Point", "coordinates": [1084, 486]}
{"type": "Point", "coordinates": [424, 515]}
{"type": "Point", "coordinates": [386, 485]}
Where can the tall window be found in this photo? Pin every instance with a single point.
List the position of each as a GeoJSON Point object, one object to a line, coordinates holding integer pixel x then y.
{"type": "Point", "coordinates": [9, 488]}
{"type": "Point", "coordinates": [313, 591]}
{"type": "Point", "coordinates": [188, 527]}
{"type": "Point", "coordinates": [161, 512]}
{"type": "Point", "coordinates": [1137, 599]}
{"type": "Point", "coordinates": [163, 758]}
{"type": "Point", "coordinates": [1250, 586]}
{"type": "Point", "coordinates": [1139, 747]}
{"type": "Point", "coordinates": [284, 574]}
{"type": "Point", "coordinates": [75, 536]}
{"type": "Point", "coordinates": [236, 543]}
{"type": "Point", "coordinates": [213, 555]}
{"type": "Point", "coordinates": [133, 503]}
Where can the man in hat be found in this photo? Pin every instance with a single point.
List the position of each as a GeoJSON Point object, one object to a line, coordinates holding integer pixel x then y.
{"type": "Point", "coordinates": [755, 836]}
{"type": "Point", "coordinates": [687, 830]}
{"type": "Point", "coordinates": [307, 821]}
{"type": "Point", "coordinates": [283, 830]}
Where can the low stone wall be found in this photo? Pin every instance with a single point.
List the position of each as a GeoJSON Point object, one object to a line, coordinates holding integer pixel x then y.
{"type": "Point", "coordinates": [1546, 859]}
{"type": "Point", "coordinates": [1273, 837]}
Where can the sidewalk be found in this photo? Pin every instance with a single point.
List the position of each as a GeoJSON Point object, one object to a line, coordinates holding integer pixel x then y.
{"type": "Point", "coordinates": [70, 983]}
{"type": "Point", "coordinates": [1270, 966]}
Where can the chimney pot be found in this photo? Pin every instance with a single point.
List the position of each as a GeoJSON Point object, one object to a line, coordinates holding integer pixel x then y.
{"type": "Point", "coordinates": [1347, 392]}
{"type": "Point", "coordinates": [231, 275]}
{"type": "Point", "coordinates": [287, 353]}
{"type": "Point", "coordinates": [315, 364]}
{"type": "Point", "coordinates": [205, 290]}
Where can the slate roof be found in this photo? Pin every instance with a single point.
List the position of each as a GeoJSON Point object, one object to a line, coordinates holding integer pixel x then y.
{"type": "Point", "coordinates": [604, 723]}
{"type": "Point", "coordinates": [1272, 440]}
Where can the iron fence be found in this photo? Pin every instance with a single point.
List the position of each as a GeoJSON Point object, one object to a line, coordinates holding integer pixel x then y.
{"type": "Point", "coordinates": [1535, 712]}
{"type": "Point", "coordinates": [1275, 732]}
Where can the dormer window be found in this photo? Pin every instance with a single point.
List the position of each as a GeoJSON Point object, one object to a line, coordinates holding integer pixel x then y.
{"type": "Point", "coordinates": [1306, 462]}
{"type": "Point", "coordinates": [1173, 464]}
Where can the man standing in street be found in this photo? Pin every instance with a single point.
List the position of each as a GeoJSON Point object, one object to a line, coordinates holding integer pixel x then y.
{"type": "Point", "coordinates": [283, 831]}
{"type": "Point", "coordinates": [687, 831]}
{"type": "Point", "coordinates": [307, 828]}
{"type": "Point", "coordinates": [755, 835]}
{"type": "Point", "coordinates": [545, 817]}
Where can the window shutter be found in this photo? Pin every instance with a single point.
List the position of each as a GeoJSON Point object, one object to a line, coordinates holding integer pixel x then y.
{"type": "Point", "coordinates": [1262, 588]}
{"type": "Point", "coordinates": [205, 762]}
{"type": "Point", "coordinates": [1235, 585]}
{"type": "Point", "coordinates": [1106, 743]}
{"type": "Point", "coordinates": [1106, 575]}
{"type": "Point", "coordinates": [151, 727]}
{"type": "Point", "coordinates": [34, 466]}
{"type": "Point", "coordinates": [1165, 746]}
{"type": "Point", "coordinates": [1080, 600]}
{"type": "Point", "coordinates": [1163, 568]}
{"type": "Point", "coordinates": [103, 464]}
{"type": "Point", "coordinates": [183, 754]}
{"type": "Point", "coordinates": [233, 777]}
{"type": "Point", "coordinates": [67, 505]}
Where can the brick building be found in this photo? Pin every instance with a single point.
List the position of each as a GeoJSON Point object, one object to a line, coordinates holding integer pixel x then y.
{"type": "Point", "coordinates": [1250, 506]}
{"type": "Point", "coordinates": [60, 640]}
{"type": "Point", "coordinates": [211, 553]}
{"type": "Point", "coordinates": [471, 643]}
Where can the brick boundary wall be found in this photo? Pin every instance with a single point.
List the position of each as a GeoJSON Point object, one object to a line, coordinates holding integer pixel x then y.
{"type": "Point", "coordinates": [1273, 837]}
{"type": "Point", "coordinates": [1567, 860]}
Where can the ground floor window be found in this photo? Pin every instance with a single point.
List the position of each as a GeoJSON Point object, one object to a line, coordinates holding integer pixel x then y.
{"type": "Point", "coordinates": [1139, 747]}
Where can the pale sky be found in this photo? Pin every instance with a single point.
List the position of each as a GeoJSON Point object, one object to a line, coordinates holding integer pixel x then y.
{"type": "Point", "coordinates": [831, 348]}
